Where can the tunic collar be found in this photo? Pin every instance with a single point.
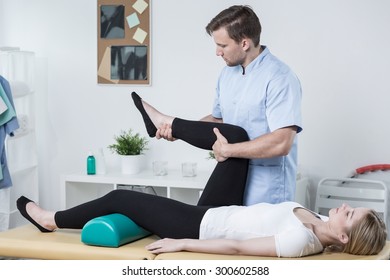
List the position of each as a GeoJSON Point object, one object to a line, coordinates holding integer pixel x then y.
{"type": "Point", "coordinates": [257, 61]}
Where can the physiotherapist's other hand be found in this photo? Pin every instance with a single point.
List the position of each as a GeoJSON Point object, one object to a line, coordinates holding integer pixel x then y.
{"type": "Point", "coordinates": [165, 132]}
{"type": "Point", "coordinates": [219, 146]}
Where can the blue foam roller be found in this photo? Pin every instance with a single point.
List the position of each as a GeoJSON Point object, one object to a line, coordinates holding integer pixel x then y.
{"type": "Point", "coordinates": [112, 230]}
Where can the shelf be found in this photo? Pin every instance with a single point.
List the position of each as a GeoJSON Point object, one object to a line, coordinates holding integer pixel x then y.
{"type": "Point", "coordinates": [79, 188]}
{"type": "Point", "coordinates": [20, 89]}
{"type": "Point", "coordinates": [18, 135]}
{"type": "Point", "coordinates": [146, 177]}
{"type": "Point", "coordinates": [18, 68]}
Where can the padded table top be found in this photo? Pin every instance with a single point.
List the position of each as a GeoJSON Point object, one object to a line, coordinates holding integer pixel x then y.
{"type": "Point", "coordinates": [383, 255]}
{"type": "Point", "coordinates": [28, 242]}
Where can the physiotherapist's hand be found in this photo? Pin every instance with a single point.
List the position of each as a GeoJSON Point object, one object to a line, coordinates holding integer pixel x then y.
{"type": "Point", "coordinates": [165, 132]}
{"type": "Point", "coordinates": [219, 146]}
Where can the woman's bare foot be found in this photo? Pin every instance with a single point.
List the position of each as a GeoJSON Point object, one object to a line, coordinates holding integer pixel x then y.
{"type": "Point", "coordinates": [42, 219]}
{"type": "Point", "coordinates": [158, 118]}
{"type": "Point", "coordinates": [153, 119]}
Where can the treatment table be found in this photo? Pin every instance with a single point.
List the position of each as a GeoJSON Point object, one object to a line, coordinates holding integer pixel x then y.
{"type": "Point", "coordinates": [27, 242]}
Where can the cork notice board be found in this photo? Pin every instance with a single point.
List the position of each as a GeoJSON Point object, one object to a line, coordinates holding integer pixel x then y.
{"type": "Point", "coordinates": [123, 42]}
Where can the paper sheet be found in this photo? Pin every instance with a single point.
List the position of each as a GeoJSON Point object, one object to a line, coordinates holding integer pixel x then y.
{"type": "Point", "coordinates": [140, 6]}
{"type": "Point", "coordinates": [133, 20]}
{"type": "Point", "coordinates": [104, 70]}
{"type": "Point", "coordinates": [140, 35]}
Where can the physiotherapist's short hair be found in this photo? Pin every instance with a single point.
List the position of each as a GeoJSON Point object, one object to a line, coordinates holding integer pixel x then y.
{"type": "Point", "coordinates": [240, 22]}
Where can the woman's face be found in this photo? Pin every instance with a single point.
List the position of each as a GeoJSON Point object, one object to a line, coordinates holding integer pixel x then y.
{"type": "Point", "coordinates": [343, 218]}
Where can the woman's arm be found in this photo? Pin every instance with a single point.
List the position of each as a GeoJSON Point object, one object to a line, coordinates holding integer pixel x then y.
{"type": "Point", "coordinates": [264, 246]}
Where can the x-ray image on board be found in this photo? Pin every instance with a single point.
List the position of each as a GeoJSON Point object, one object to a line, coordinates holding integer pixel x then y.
{"type": "Point", "coordinates": [112, 21]}
{"type": "Point", "coordinates": [129, 63]}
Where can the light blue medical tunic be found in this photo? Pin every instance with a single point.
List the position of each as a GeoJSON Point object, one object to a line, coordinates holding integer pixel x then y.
{"type": "Point", "coordinates": [264, 98]}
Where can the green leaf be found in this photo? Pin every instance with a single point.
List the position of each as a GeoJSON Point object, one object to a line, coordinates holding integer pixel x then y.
{"type": "Point", "coordinates": [129, 143]}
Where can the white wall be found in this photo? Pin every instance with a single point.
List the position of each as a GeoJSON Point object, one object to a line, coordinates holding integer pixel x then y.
{"type": "Point", "coordinates": [338, 48]}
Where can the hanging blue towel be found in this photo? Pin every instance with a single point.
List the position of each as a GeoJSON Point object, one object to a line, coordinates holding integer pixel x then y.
{"type": "Point", "coordinates": [8, 114]}
{"type": "Point", "coordinates": [8, 124]}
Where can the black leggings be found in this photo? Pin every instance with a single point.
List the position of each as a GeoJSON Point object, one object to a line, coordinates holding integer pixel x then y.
{"type": "Point", "coordinates": [167, 217]}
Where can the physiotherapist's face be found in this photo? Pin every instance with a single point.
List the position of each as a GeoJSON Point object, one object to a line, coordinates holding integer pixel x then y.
{"type": "Point", "coordinates": [230, 51]}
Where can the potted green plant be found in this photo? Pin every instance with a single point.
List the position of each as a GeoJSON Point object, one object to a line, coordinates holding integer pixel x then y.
{"type": "Point", "coordinates": [130, 147]}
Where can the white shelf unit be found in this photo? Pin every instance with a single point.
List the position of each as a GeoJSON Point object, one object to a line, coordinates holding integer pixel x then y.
{"type": "Point", "coordinates": [18, 67]}
{"type": "Point", "coordinates": [79, 188]}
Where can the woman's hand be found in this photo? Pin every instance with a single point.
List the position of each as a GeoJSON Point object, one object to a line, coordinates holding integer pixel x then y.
{"type": "Point", "coordinates": [166, 245]}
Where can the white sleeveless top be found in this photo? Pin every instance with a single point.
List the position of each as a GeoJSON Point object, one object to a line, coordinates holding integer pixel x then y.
{"type": "Point", "coordinates": [292, 238]}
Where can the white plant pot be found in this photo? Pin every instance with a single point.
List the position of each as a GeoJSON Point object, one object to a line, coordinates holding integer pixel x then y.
{"type": "Point", "coordinates": [131, 164]}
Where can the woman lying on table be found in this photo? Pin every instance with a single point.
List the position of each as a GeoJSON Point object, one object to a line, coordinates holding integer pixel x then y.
{"type": "Point", "coordinates": [219, 224]}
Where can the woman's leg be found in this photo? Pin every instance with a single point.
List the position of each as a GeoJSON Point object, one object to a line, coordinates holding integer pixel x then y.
{"type": "Point", "coordinates": [159, 215]}
{"type": "Point", "coordinates": [227, 182]}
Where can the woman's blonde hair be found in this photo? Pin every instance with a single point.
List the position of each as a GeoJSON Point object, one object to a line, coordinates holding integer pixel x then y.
{"type": "Point", "coordinates": [368, 236]}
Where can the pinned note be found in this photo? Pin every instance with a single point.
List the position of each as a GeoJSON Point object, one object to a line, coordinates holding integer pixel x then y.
{"type": "Point", "coordinates": [140, 35]}
{"type": "Point", "coordinates": [140, 6]}
{"type": "Point", "coordinates": [133, 20]}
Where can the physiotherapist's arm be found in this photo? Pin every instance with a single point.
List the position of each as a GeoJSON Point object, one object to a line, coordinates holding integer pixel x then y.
{"type": "Point", "coordinates": [276, 143]}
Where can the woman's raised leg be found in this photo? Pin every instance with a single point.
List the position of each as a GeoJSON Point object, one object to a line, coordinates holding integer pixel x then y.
{"type": "Point", "coordinates": [227, 182]}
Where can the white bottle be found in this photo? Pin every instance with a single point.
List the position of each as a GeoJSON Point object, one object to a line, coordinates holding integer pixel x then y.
{"type": "Point", "coordinates": [100, 162]}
